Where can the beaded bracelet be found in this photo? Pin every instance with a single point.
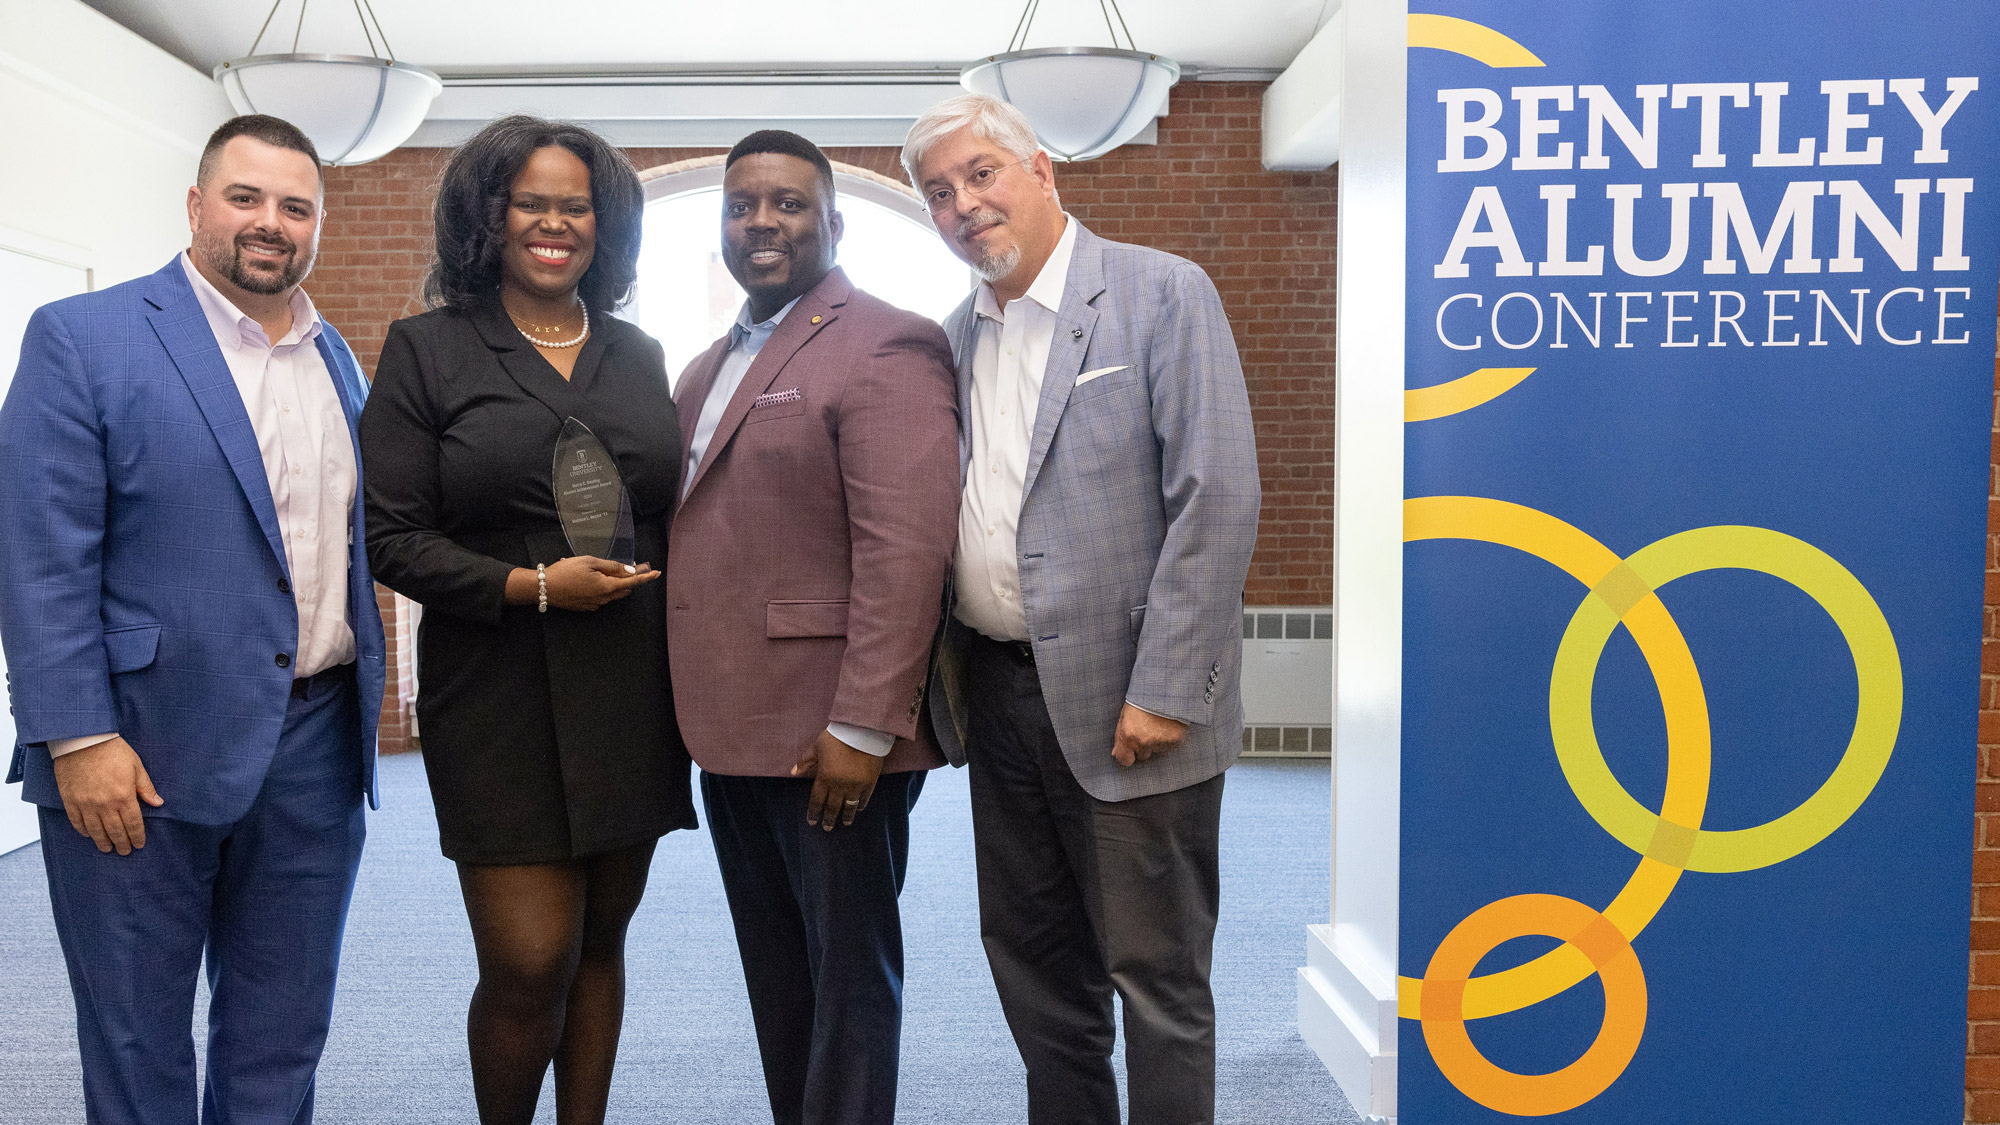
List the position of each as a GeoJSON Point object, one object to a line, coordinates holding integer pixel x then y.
{"type": "Point", "coordinates": [541, 588]}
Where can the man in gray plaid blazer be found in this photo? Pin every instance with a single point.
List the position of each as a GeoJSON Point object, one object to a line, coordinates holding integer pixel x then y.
{"type": "Point", "coordinates": [1089, 670]}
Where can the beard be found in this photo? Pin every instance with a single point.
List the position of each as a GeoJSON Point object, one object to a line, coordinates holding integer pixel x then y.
{"type": "Point", "coordinates": [992, 266]}
{"type": "Point", "coordinates": [226, 257]}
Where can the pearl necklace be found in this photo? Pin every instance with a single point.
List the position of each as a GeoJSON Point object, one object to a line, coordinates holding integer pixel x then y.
{"type": "Point", "coordinates": [540, 343]}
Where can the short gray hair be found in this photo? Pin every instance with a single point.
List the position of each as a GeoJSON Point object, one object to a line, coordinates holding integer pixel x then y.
{"type": "Point", "coordinates": [990, 118]}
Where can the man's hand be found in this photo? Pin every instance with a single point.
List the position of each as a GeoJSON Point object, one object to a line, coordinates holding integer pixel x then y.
{"type": "Point", "coordinates": [843, 780]}
{"type": "Point", "coordinates": [101, 788]}
{"type": "Point", "coordinates": [1142, 734]}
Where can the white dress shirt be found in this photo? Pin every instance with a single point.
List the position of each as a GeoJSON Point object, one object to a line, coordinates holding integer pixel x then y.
{"type": "Point", "coordinates": [308, 456]}
{"type": "Point", "coordinates": [746, 340]}
{"type": "Point", "coordinates": [1008, 360]}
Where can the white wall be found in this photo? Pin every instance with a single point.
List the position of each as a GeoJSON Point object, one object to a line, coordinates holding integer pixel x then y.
{"type": "Point", "coordinates": [99, 140]}
{"type": "Point", "coordinates": [100, 136]}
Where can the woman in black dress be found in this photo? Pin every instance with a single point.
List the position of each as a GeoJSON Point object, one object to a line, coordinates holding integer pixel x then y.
{"type": "Point", "coordinates": [547, 717]}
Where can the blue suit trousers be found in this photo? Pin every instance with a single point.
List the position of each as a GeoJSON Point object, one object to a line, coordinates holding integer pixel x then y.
{"type": "Point", "coordinates": [264, 898]}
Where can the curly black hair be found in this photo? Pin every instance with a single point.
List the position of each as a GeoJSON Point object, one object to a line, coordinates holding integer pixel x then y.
{"type": "Point", "coordinates": [471, 213]}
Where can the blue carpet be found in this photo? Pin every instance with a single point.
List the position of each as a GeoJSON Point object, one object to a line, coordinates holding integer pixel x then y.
{"type": "Point", "coordinates": [397, 1052]}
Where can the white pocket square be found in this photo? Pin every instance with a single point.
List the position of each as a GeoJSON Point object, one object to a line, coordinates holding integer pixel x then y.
{"type": "Point", "coordinates": [1089, 375]}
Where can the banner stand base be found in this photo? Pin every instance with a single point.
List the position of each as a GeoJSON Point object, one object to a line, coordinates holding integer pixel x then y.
{"type": "Point", "coordinates": [1347, 1015]}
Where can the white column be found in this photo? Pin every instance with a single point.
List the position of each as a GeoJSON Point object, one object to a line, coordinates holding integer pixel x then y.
{"type": "Point", "coordinates": [1347, 990]}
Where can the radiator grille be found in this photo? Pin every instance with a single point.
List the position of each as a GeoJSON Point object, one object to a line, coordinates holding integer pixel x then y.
{"type": "Point", "coordinates": [1288, 625]}
{"type": "Point", "coordinates": [1288, 742]}
{"type": "Point", "coordinates": [1288, 681]}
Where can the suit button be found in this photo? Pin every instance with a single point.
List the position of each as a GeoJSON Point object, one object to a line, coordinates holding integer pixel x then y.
{"type": "Point", "coordinates": [284, 587]}
{"type": "Point", "coordinates": [284, 660]}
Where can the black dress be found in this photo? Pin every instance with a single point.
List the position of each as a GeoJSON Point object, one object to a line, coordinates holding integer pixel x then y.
{"type": "Point", "coordinates": [547, 736]}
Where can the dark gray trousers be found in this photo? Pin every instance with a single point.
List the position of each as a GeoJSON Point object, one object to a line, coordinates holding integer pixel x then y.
{"type": "Point", "coordinates": [1078, 897]}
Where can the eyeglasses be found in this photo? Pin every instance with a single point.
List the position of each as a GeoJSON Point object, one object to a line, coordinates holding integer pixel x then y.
{"type": "Point", "coordinates": [940, 200]}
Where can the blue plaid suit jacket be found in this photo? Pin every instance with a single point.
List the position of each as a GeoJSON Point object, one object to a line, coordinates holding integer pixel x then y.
{"type": "Point", "coordinates": [1137, 521]}
{"type": "Point", "coordinates": [143, 585]}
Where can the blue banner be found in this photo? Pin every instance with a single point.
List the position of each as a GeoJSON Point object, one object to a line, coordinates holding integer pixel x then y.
{"type": "Point", "coordinates": [1701, 309]}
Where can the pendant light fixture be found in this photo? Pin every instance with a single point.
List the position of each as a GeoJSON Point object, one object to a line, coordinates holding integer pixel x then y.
{"type": "Point", "coordinates": [354, 107]}
{"type": "Point", "coordinates": [1082, 101]}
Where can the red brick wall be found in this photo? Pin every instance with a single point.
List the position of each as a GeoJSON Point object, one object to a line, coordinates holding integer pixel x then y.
{"type": "Point", "coordinates": [1982, 1046]}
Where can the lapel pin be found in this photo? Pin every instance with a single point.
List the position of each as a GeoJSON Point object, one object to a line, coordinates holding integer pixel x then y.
{"type": "Point", "coordinates": [816, 319]}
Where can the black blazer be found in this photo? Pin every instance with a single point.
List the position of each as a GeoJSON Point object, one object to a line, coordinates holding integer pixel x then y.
{"type": "Point", "coordinates": [546, 735]}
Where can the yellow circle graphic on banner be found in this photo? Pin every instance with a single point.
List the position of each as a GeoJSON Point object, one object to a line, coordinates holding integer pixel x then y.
{"type": "Point", "coordinates": [1624, 592]}
{"type": "Point", "coordinates": [1681, 842]}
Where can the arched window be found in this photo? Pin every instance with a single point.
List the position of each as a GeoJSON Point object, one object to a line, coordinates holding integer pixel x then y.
{"type": "Point", "coordinates": [686, 298]}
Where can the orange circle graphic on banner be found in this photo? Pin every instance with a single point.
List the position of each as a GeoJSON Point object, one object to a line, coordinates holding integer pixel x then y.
{"type": "Point", "coordinates": [1577, 925]}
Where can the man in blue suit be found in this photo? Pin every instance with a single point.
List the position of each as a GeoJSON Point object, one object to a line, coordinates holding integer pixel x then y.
{"type": "Point", "coordinates": [1089, 670]}
{"type": "Point", "coordinates": [196, 658]}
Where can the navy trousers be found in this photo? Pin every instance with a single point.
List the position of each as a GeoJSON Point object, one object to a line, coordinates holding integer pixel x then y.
{"type": "Point", "coordinates": [821, 940]}
{"type": "Point", "coordinates": [264, 898]}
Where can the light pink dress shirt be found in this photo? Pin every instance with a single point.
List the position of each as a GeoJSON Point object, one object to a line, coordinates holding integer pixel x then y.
{"type": "Point", "coordinates": [308, 459]}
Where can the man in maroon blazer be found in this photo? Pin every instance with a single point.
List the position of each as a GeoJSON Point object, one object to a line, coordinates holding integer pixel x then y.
{"type": "Point", "coordinates": [804, 576]}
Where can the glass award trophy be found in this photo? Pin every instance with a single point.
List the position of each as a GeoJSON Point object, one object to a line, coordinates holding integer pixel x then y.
{"type": "Point", "coordinates": [591, 501]}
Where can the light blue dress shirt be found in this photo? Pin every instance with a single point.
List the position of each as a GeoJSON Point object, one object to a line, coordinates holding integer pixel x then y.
{"type": "Point", "coordinates": [746, 340]}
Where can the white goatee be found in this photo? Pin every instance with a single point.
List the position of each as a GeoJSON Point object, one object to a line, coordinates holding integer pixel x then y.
{"type": "Point", "coordinates": [993, 267]}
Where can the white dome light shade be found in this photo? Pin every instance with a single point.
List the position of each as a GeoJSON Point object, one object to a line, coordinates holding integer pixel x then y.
{"type": "Point", "coordinates": [1082, 101]}
{"type": "Point", "coordinates": [354, 108]}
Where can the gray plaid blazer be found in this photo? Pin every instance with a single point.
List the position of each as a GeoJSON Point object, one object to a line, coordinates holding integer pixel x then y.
{"type": "Point", "coordinates": [1137, 521]}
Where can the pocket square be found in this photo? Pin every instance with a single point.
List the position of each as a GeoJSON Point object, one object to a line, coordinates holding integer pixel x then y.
{"type": "Point", "coordinates": [1089, 375]}
{"type": "Point", "coordinates": [792, 394]}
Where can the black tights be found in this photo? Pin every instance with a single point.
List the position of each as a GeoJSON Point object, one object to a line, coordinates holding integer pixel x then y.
{"type": "Point", "coordinates": [551, 943]}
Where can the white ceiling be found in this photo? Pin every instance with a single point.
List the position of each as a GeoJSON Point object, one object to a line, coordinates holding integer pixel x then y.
{"type": "Point", "coordinates": [485, 37]}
